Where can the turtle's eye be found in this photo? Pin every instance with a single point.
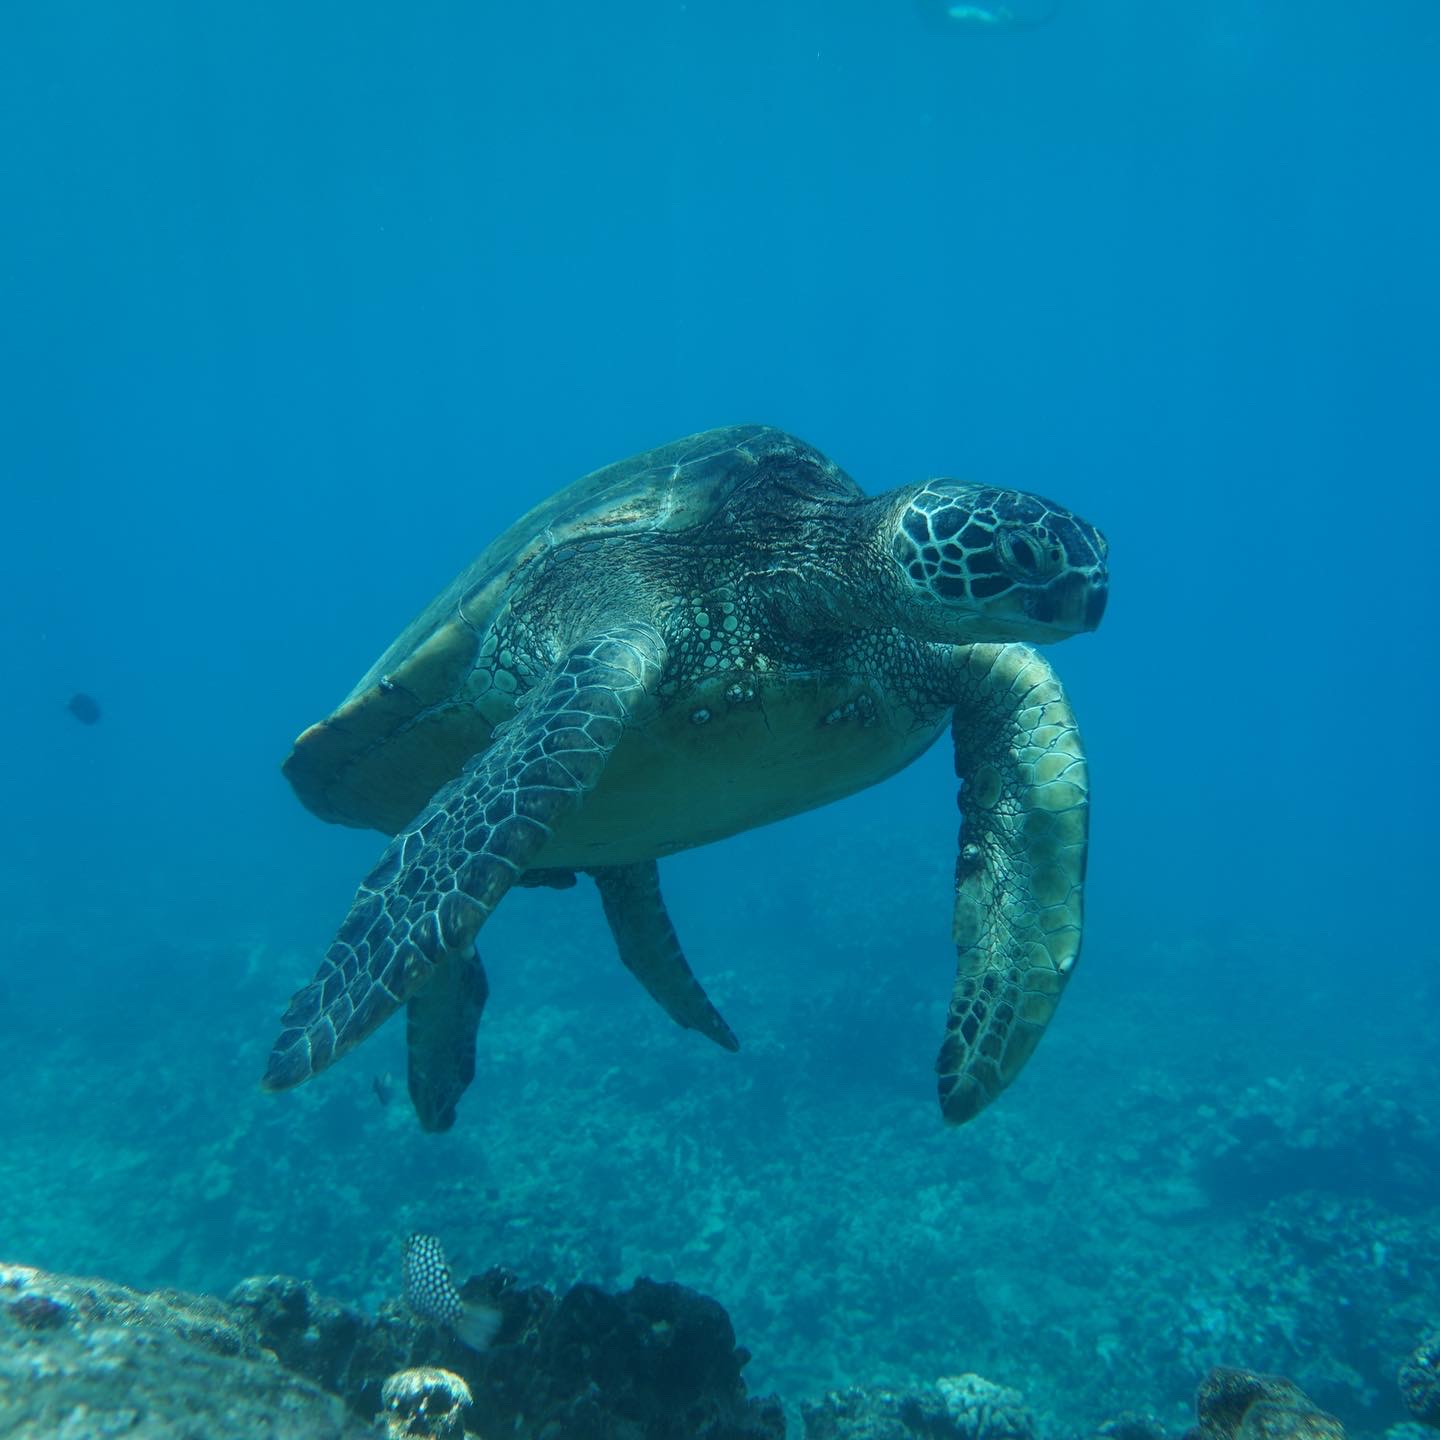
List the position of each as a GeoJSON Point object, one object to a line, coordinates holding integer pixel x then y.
{"type": "Point", "coordinates": [1029, 555]}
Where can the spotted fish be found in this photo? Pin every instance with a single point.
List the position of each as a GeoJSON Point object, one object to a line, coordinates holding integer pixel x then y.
{"type": "Point", "coordinates": [431, 1294]}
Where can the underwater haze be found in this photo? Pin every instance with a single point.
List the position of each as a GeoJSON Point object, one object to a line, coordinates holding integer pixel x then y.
{"type": "Point", "coordinates": [301, 305]}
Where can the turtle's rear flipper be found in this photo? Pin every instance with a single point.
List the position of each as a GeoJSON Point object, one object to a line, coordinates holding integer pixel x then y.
{"type": "Point", "coordinates": [441, 1019]}
{"type": "Point", "coordinates": [438, 880]}
{"type": "Point", "coordinates": [651, 952]}
{"type": "Point", "coordinates": [1021, 870]}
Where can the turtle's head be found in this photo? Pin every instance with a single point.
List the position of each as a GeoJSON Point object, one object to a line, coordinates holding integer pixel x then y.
{"type": "Point", "coordinates": [981, 564]}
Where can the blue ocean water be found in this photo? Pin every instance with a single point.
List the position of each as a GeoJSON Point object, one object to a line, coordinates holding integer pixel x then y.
{"type": "Point", "coordinates": [301, 305]}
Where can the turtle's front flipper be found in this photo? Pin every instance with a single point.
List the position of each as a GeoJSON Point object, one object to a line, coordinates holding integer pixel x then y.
{"type": "Point", "coordinates": [439, 880]}
{"type": "Point", "coordinates": [441, 1019]}
{"type": "Point", "coordinates": [650, 950]}
{"type": "Point", "coordinates": [1018, 880]}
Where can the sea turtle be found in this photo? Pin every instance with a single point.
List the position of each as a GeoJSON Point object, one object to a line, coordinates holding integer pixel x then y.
{"type": "Point", "coordinates": [706, 637]}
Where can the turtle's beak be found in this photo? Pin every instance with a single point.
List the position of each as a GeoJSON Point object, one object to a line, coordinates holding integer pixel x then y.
{"type": "Point", "coordinates": [1072, 604]}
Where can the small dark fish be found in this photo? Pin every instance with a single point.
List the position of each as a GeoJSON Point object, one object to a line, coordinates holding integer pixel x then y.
{"type": "Point", "coordinates": [431, 1294]}
{"type": "Point", "coordinates": [384, 1087]}
{"type": "Point", "coordinates": [85, 708]}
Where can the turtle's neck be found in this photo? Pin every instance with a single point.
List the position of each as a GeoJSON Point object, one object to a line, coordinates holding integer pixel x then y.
{"type": "Point", "coordinates": [834, 572]}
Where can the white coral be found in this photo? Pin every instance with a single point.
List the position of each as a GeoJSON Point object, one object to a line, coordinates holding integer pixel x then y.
{"type": "Point", "coordinates": [425, 1401]}
{"type": "Point", "coordinates": [983, 1410]}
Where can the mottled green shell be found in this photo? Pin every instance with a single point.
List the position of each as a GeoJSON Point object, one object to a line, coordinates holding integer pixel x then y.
{"type": "Point", "coordinates": [411, 723]}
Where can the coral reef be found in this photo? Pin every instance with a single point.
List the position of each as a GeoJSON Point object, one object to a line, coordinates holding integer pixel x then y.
{"type": "Point", "coordinates": [1342, 1135]}
{"type": "Point", "coordinates": [1098, 1246]}
{"type": "Point", "coordinates": [983, 1410]}
{"type": "Point", "coordinates": [958, 1407]}
{"type": "Point", "coordinates": [657, 1356]}
{"type": "Point", "coordinates": [85, 1358]}
{"type": "Point", "coordinates": [1420, 1381]}
{"type": "Point", "coordinates": [332, 1344]}
{"type": "Point", "coordinates": [1130, 1425]}
{"type": "Point", "coordinates": [425, 1404]}
{"type": "Point", "coordinates": [1241, 1405]}
{"type": "Point", "coordinates": [657, 1362]}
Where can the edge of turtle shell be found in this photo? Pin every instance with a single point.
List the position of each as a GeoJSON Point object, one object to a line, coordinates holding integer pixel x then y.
{"type": "Point", "coordinates": [404, 692]}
